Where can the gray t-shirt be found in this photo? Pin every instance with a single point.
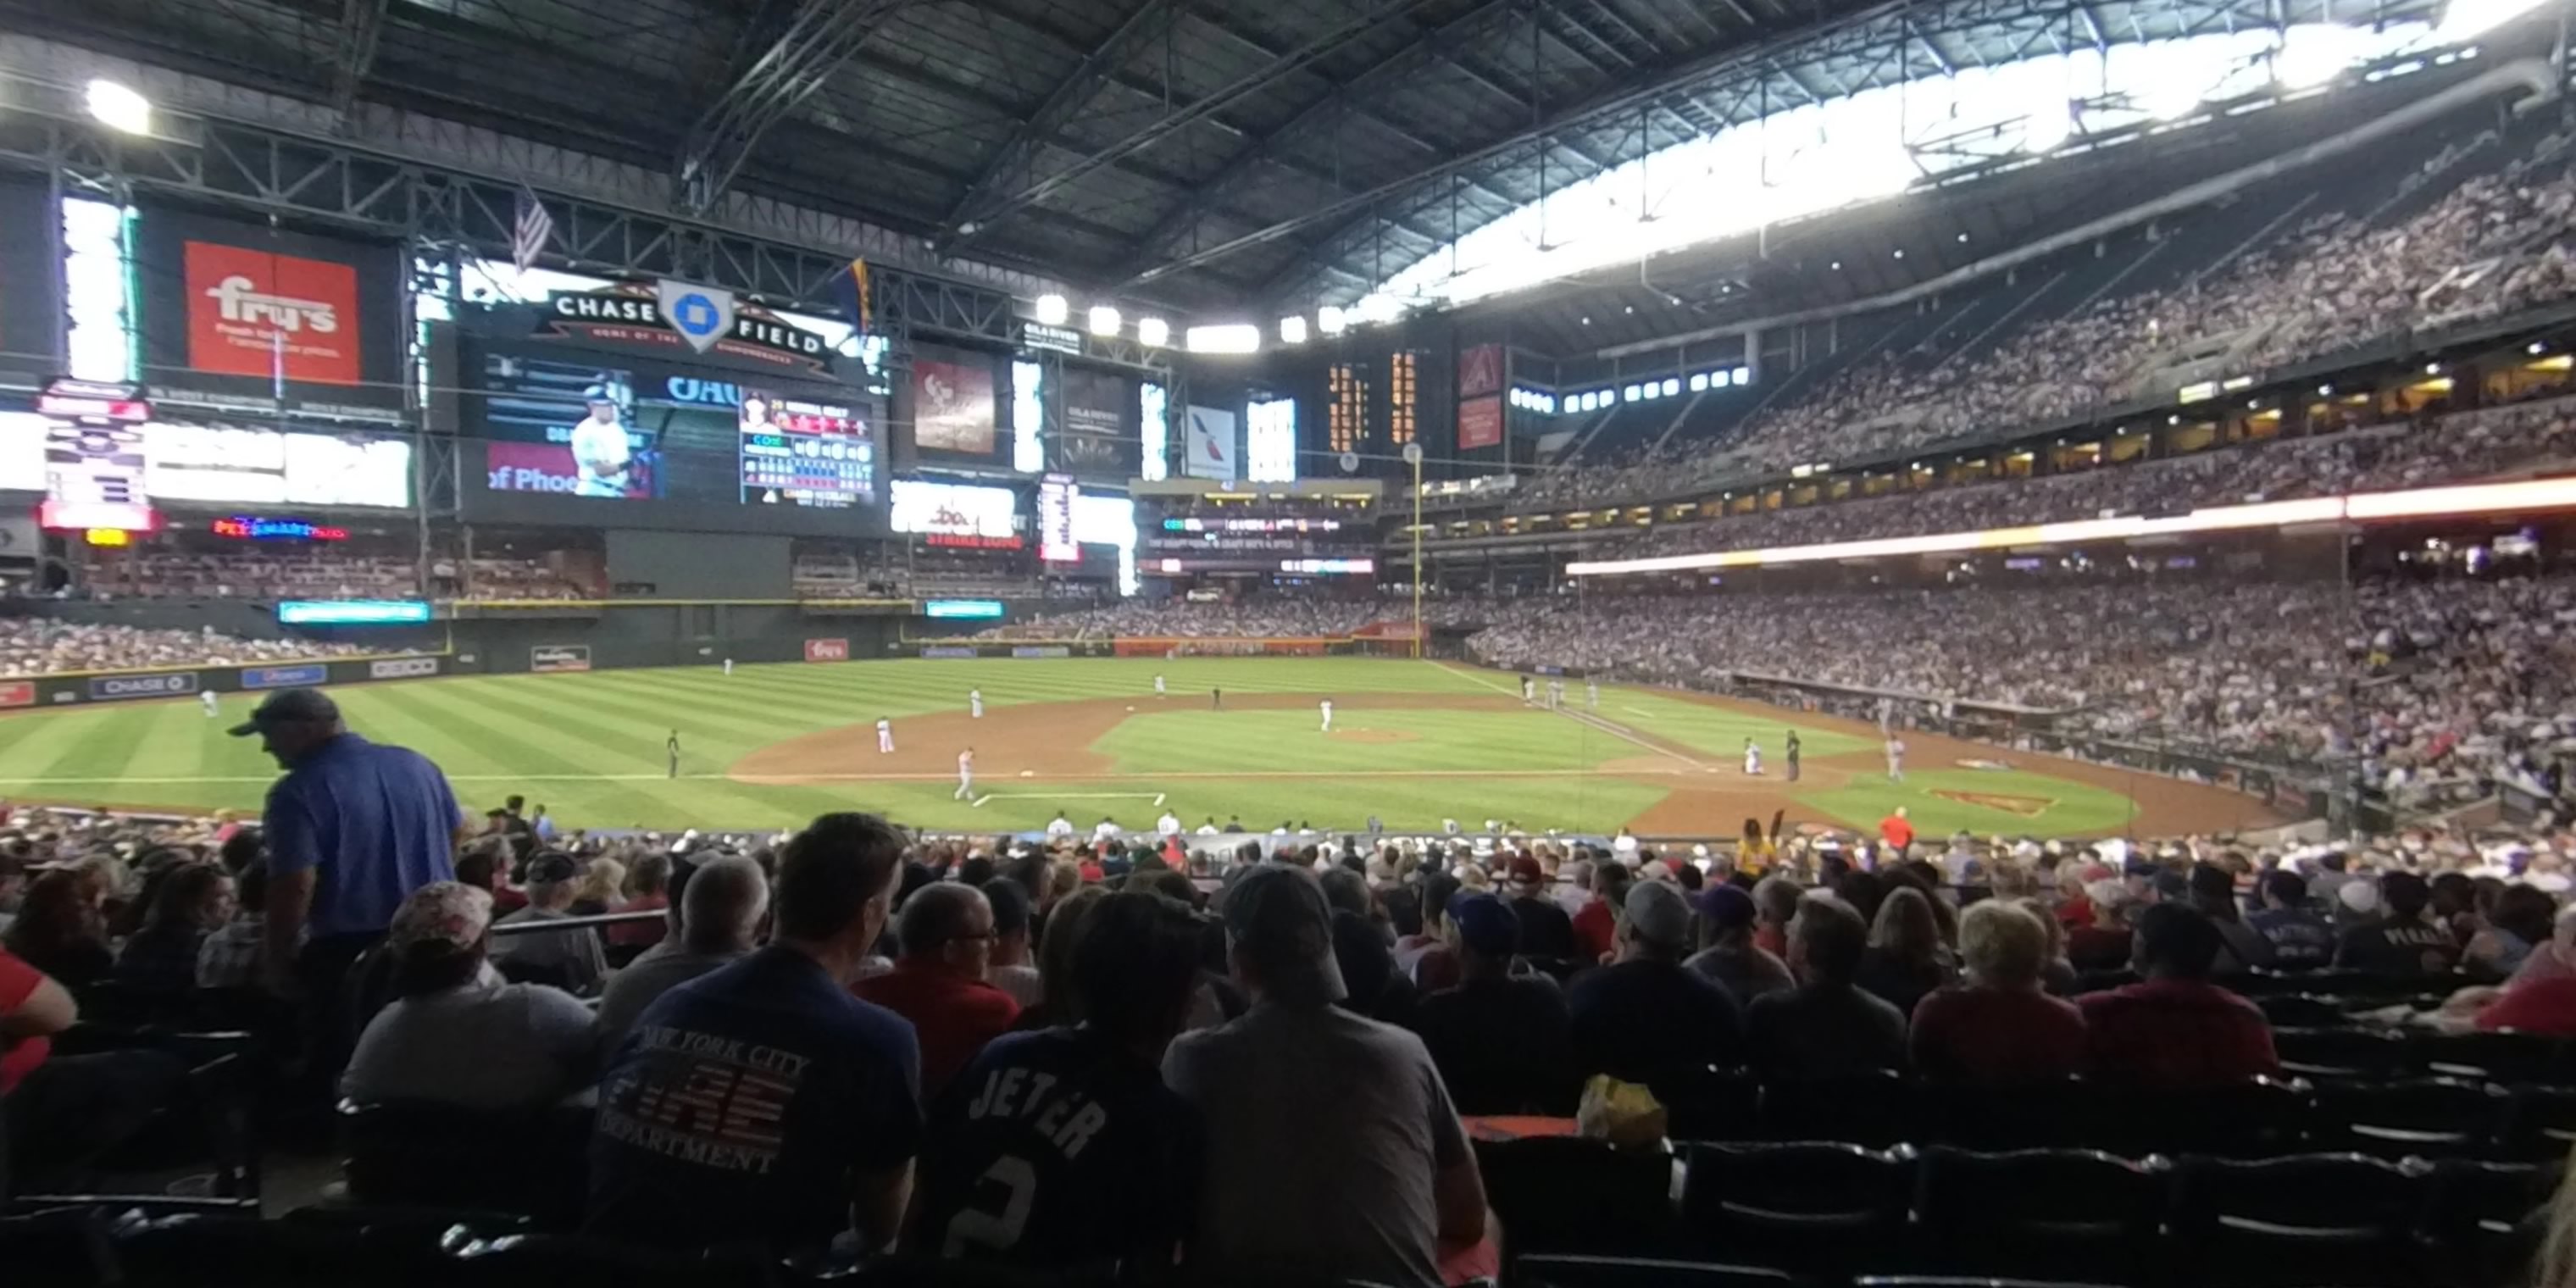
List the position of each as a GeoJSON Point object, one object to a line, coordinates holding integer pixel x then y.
{"type": "Point", "coordinates": [661, 968]}
{"type": "Point", "coordinates": [574, 955]}
{"type": "Point", "coordinates": [1324, 1133]}
{"type": "Point", "coordinates": [483, 1046]}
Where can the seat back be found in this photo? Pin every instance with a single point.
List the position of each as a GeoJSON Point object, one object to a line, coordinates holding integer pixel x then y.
{"type": "Point", "coordinates": [1570, 1194]}
{"type": "Point", "coordinates": [527, 1163]}
{"type": "Point", "coordinates": [1810, 1204]}
{"type": "Point", "coordinates": [2304, 1218]}
{"type": "Point", "coordinates": [2491, 1057]}
{"type": "Point", "coordinates": [2044, 1212]}
{"type": "Point", "coordinates": [2031, 1115]}
{"type": "Point", "coordinates": [67, 1245]}
{"type": "Point", "coordinates": [2251, 1119]}
{"type": "Point", "coordinates": [1874, 1110]}
{"type": "Point", "coordinates": [2301, 1011]}
{"type": "Point", "coordinates": [2339, 1052]}
{"type": "Point", "coordinates": [2481, 1213]}
{"type": "Point", "coordinates": [2413, 1117]}
{"type": "Point", "coordinates": [2539, 1126]}
{"type": "Point", "coordinates": [1710, 1104]}
{"type": "Point", "coordinates": [1641, 1272]}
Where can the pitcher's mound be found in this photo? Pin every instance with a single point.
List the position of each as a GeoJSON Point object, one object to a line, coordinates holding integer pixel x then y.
{"type": "Point", "coordinates": [1374, 735]}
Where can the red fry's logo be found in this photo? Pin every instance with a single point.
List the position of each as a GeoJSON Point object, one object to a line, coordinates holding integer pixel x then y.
{"type": "Point", "coordinates": [258, 313]}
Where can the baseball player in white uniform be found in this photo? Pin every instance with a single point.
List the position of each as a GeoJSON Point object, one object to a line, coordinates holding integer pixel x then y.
{"type": "Point", "coordinates": [728, 666]}
{"type": "Point", "coordinates": [885, 736]}
{"type": "Point", "coordinates": [965, 775]}
{"type": "Point", "coordinates": [1895, 759]}
{"type": "Point", "coordinates": [1752, 757]}
{"type": "Point", "coordinates": [975, 704]}
{"type": "Point", "coordinates": [1529, 691]}
{"type": "Point", "coordinates": [1327, 705]}
{"type": "Point", "coordinates": [1158, 686]}
{"type": "Point", "coordinates": [600, 453]}
{"type": "Point", "coordinates": [207, 700]}
{"type": "Point", "coordinates": [1555, 694]}
{"type": "Point", "coordinates": [1592, 694]}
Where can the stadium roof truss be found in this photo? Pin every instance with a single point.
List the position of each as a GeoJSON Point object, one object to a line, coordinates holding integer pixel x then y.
{"type": "Point", "coordinates": [1201, 155]}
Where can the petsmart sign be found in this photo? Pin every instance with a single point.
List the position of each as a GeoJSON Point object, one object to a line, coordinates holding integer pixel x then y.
{"type": "Point", "coordinates": [114, 688]}
{"type": "Point", "coordinates": [284, 677]}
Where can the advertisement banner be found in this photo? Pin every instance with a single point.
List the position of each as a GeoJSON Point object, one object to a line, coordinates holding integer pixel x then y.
{"type": "Point", "coordinates": [1213, 451]}
{"type": "Point", "coordinates": [284, 677]}
{"type": "Point", "coordinates": [1480, 422]}
{"type": "Point", "coordinates": [670, 315]}
{"type": "Point", "coordinates": [111, 688]}
{"type": "Point", "coordinates": [1041, 650]}
{"type": "Point", "coordinates": [545, 467]}
{"type": "Point", "coordinates": [952, 652]}
{"type": "Point", "coordinates": [402, 668]}
{"type": "Point", "coordinates": [952, 407]}
{"type": "Point", "coordinates": [835, 650]}
{"type": "Point", "coordinates": [1145, 646]}
{"type": "Point", "coordinates": [1480, 370]}
{"type": "Point", "coordinates": [1095, 436]}
{"type": "Point", "coordinates": [559, 657]}
{"type": "Point", "coordinates": [259, 313]}
{"type": "Point", "coordinates": [18, 693]}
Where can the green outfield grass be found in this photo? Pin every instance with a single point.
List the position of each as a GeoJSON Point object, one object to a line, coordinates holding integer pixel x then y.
{"type": "Point", "coordinates": [591, 747]}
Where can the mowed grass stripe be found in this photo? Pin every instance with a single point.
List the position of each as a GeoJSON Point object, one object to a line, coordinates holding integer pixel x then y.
{"type": "Point", "coordinates": [467, 723]}
{"type": "Point", "coordinates": [40, 746]}
{"type": "Point", "coordinates": [177, 740]}
{"type": "Point", "coordinates": [105, 748]}
{"type": "Point", "coordinates": [708, 729]}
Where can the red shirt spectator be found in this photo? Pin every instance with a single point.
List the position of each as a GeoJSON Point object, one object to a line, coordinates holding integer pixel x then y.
{"type": "Point", "coordinates": [1896, 831]}
{"type": "Point", "coordinates": [2546, 1007]}
{"type": "Point", "coordinates": [642, 934]}
{"type": "Point", "coordinates": [946, 931]}
{"type": "Point", "coordinates": [2176, 1029]}
{"type": "Point", "coordinates": [36, 1007]}
{"type": "Point", "coordinates": [1596, 931]}
{"type": "Point", "coordinates": [1991, 1036]}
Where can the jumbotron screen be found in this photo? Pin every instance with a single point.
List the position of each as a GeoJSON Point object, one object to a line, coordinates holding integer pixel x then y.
{"type": "Point", "coordinates": [805, 453]}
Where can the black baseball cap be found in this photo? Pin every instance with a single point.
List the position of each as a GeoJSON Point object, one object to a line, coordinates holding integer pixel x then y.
{"type": "Point", "coordinates": [289, 706]}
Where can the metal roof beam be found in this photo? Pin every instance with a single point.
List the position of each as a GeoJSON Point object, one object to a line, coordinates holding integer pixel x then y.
{"type": "Point", "coordinates": [1387, 72]}
{"type": "Point", "coordinates": [1320, 46]}
{"type": "Point", "coordinates": [1010, 163]}
{"type": "Point", "coordinates": [362, 24]}
{"type": "Point", "coordinates": [823, 35]}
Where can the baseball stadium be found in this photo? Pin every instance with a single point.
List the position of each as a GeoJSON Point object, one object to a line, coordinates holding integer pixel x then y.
{"type": "Point", "coordinates": [1309, 644]}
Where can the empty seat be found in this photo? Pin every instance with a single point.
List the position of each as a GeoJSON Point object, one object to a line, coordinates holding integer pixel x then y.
{"type": "Point", "coordinates": [2040, 1212]}
{"type": "Point", "coordinates": [2298, 1219]}
{"type": "Point", "coordinates": [2420, 1117]}
{"type": "Point", "coordinates": [528, 1163]}
{"type": "Point", "coordinates": [1709, 1104]}
{"type": "Point", "coordinates": [1568, 1194]}
{"type": "Point", "coordinates": [1876, 1110]}
{"type": "Point", "coordinates": [2539, 1125]}
{"type": "Point", "coordinates": [67, 1246]}
{"type": "Point", "coordinates": [2494, 1057]}
{"type": "Point", "coordinates": [1641, 1272]}
{"type": "Point", "coordinates": [2251, 1119]}
{"type": "Point", "coordinates": [2025, 1116]}
{"type": "Point", "coordinates": [563, 1261]}
{"type": "Point", "coordinates": [1806, 1205]}
{"type": "Point", "coordinates": [2482, 1214]}
{"type": "Point", "coordinates": [2349, 1053]}
{"type": "Point", "coordinates": [2301, 1011]}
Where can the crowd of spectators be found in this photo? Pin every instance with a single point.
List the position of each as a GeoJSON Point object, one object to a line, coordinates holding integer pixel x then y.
{"type": "Point", "coordinates": [1264, 618]}
{"type": "Point", "coordinates": [2498, 241]}
{"type": "Point", "coordinates": [1265, 1054]}
{"type": "Point", "coordinates": [51, 646]}
{"type": "Point", "coordinates": [261, 575]}
{"type": "Point", "coordinates": [2451, 679]}
{"type": "Point", "coordinates": [2463, 447]}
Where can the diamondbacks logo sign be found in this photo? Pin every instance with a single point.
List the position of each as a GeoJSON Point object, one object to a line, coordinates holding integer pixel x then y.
{"type": "Point", "coordinates": [258, 313]}
{"type": "Point", "coordinates": [1480, 370]}
{"type": "Point", "coordinates": [701, 314]}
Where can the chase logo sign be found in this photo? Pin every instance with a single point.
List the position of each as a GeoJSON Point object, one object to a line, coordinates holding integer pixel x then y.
{"type": "Point", "coordinates": [111, 688]}
{"type": "Point", "coordinates": [701, 314]}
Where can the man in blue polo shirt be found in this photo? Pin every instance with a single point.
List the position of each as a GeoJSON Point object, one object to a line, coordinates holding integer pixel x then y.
{"type": "Point", "coordinates": [352, 830]}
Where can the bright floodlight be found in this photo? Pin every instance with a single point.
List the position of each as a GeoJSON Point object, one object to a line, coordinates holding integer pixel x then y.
{"type": "Point", "coordinates": [1238, 337]}
{"type": "Point", "coordinates": [1153, 333]}
{"type": "Point", "coordinates": [1380, 308]}
{"type": "Point", "coordinates": [1292, 330]}
{"type": "Point", "coordinates": [120, 108]}
{"type": "Point", "coordinates": [2047, 126]}
{"type": "Point", "coordinates": [1052, 310]}
{"type": "Point", "coordinates": [1104, 320]}
{"type": "Point", "coordinates": [1330, 319]}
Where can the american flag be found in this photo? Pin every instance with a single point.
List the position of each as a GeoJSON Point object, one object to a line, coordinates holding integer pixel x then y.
{"type": "Point", "coordinates": [529, 232]}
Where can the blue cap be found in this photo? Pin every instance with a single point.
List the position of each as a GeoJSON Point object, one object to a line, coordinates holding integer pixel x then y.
{"type": "Point", "coordinates": [1485, 923]}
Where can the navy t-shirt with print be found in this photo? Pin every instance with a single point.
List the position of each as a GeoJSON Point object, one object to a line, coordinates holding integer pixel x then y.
{"type": "Point", "coordinates": [741, 1103]}
{"type": "Point", "coordinates": [1056, 1149]}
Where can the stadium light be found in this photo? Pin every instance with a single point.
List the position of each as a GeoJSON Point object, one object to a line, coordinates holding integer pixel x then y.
{"type": "Point", "coordinates": [119, 108]}
{"type": "Point", "coordinates": [1051, 310]}
{"type": "Point", "coordinates": [1672, 385]}
{"type": "Point", "coordinates": [1239, 337]}
{"type": "Point", "coordinates": [1380, 308]}
{"type": "Point", "coordinates": [1292, 330]}
{"type": "Point", "coordinates": [1331, 320]}
{"type": "Point", "coordinates": [1153, 333]}
{"type": "Point", "coordinates": [1104, 320]}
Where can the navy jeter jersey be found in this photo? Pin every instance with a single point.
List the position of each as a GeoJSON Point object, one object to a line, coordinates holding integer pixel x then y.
{"type": "Point", "coordinates": [1056, 1149]}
